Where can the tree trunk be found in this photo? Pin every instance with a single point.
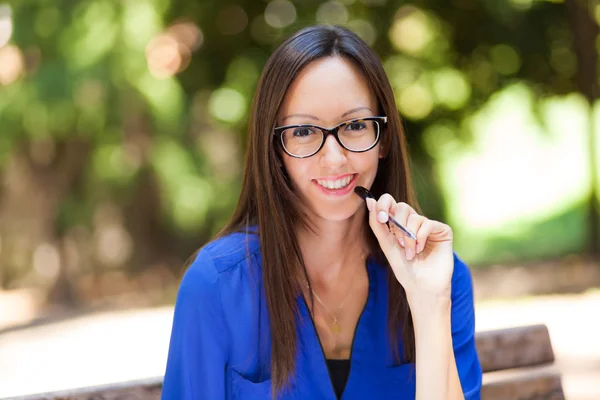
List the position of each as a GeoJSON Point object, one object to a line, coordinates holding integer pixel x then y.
{"type": "Point", "coordinates": [71, 157]}
{"type": "Point", "coordinates": [585, 32]}
{"type": "Point", "coordinates": [33, 190]}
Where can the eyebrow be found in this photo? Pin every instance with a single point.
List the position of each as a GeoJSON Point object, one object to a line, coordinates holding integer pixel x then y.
{"type": "Point", "coordinates": [317, 119]}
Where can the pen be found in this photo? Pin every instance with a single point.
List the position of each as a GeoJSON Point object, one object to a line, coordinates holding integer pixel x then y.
{"type": "Point", "coordinates": [364, 194]}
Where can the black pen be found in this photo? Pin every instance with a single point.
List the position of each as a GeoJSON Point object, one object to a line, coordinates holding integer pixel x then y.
{"type": "Point", "coordinates": [365, 194]}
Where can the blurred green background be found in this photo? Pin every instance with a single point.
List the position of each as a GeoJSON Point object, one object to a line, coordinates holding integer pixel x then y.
{"type": "Point", "coordinates": [123, 123]}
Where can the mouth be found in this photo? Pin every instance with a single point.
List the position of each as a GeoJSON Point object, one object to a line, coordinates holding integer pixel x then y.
{"type": "Point", "coordinates": [337, 187]}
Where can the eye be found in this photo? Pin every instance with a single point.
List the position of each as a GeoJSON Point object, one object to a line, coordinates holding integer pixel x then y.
{"type": "Point", "coordinates": [356, 126]}
{"type": "Point", "coordinates": [303, 132]}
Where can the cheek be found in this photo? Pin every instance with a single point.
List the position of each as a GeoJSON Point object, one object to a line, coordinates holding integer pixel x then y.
{"type": "Point", "coordinates": [296, 169]}
{"type": "Point", "coordinates": [366, 163]}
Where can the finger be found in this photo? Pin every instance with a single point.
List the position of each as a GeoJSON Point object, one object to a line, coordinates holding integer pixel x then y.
{"type": "Point", "coordinates": [385, 237]}
{"type": "Point", "coordinates": [401, 213]}
{"type": "Point", "coordinates": [385, 205]}
{"type": "Point", "coordinates": [414, 223]}
{"type": "Point", "coordinates": [440, 232]}
{"type": "Point", "coordinates": [423, 234]}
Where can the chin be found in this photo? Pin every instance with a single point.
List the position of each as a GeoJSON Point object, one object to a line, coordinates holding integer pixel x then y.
{"type": "Point", "coordinates": [337, 214]}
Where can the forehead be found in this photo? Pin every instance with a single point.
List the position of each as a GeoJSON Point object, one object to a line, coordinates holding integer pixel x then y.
{"type": "Point", "coordinates": [328, 88]}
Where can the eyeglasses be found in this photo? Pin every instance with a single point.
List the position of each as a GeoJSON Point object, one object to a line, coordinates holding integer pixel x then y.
{"type": "Point", "coordinates": [357, 135]}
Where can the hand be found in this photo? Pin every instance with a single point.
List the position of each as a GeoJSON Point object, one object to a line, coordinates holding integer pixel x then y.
{"type": "Point", "coordinates": [423, 267]}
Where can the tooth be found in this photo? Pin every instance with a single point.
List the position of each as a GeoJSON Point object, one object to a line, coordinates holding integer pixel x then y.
{"type": "Point", "coordinates": [337, 184]}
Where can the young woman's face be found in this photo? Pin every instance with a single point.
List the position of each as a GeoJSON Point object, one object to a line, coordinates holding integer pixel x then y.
{"type": "Point", "coordinates": [327, 92]}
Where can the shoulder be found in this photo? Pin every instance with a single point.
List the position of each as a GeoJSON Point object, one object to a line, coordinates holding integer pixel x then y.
{"type": "Point", "coordinates": [227, 253]}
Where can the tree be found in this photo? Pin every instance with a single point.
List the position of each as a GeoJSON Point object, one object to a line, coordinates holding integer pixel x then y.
{"type": "Point", "coordinates": [126, 122]}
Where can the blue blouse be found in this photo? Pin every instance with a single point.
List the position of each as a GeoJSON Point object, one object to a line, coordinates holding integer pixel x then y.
{"type": "Point", "coordinates": [221, 333]}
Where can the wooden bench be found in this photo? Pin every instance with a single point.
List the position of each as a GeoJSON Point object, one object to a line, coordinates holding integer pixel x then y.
{"type": "Point", "coordinates": [513, 362]}
{"type": "Point", "coordinates": [510, 358]}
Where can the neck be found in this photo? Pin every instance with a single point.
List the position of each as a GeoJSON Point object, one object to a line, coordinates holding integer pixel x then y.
{"type": "Point", "coordinates": [335, 250]}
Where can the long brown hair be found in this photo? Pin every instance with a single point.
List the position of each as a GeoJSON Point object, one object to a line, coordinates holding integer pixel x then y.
{"type": "Point", "coordinates": [268, 201]}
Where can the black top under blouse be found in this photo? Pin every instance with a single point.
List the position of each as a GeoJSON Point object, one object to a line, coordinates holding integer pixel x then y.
{"type": "Point", "coordinates": [339, 371]}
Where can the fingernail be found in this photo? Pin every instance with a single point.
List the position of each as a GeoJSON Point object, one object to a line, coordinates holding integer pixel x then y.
{"type": "Point", "coordinates": [382, 217]}
{"type": "Point", "coordinates": [409, 254]}
{"type": "Point", "coordinates": [402, 242]}
{"type": "Point", "coordinates": [370, 204]}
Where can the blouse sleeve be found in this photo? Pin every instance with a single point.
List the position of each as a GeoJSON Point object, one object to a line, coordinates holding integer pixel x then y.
{"type": "Point", "coordinates": [198, 348]}
{"type": "Point", "coordinates": [463, 331]}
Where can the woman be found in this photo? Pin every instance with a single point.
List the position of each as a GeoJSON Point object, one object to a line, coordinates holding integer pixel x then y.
{"type": "Point", "coordinates": [307, 293]}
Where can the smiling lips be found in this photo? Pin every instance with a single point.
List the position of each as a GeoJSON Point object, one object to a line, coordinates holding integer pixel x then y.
{"type": "Point", "coordinates": [337, 183]}
{"type": "Point", "coordinates": [338, 187]}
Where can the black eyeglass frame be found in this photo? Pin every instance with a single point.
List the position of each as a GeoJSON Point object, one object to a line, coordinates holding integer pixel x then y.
{"type": "Point", "coordinates": [278, 131]}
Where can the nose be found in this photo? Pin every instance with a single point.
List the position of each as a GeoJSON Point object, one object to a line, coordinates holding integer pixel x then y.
{"type": "Point", "coordinates": [332, 154]}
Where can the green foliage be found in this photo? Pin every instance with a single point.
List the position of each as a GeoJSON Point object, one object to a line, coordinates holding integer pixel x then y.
{"type": "Point", "coordinates": [87, 75]}
{"type": "Point", "coordinates": [519, 242]}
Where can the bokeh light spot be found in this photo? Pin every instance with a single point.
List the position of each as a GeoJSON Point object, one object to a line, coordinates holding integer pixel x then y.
{"type": "Point", "coordinates": [451, 88]}
{"type": "Point", "coordinates": [411, 31]}
{"type": "Point", "coordinates": [232, 20]}
{"type": "Point", "coordinates": [221, 149]}
{"type": "Point", "coordinates": [112, 163]}
{"type": "Point", "coordinates": [521, 4]}
{"type": "Point", "coordinates": [506, 60]}
{"type": "Point", "coordinates": [6, 24]}
{"type": "Point", "coordinates": [332, 12]}
{"type": "Point", "coordinates": [562, 59]}
{"type": "Point", "coordinates": [402, 71]}
{"type": "Point", "coordinates": [11, 64]}
{"type": "Point", "coordinates": [364, 29]}
{"type": "Point", "coordinates": [141, 22]}
{"type": "Point", "coordinates": [280, 13]}
{"type": "Point", "coordinates": [192, 199]}
{"type": "Point", "coordinates": [227, 105]}
{"type": "Point", "coordinates": [187, 34]}
{"type": "Point", "coordinates": [171, 52]}
{"type": "Point", "coordinates": [440, 139]}
{"type": "Point", "coordinates": [415, 101]}
{"type": "Point", "coordinates": [163, 56]}
{"type": "Point", "coordinates": [46, 261]}
{"type": "Point", "coordinates": [114, 244]}
{"type": "Point", "coordinates": [243, 74]}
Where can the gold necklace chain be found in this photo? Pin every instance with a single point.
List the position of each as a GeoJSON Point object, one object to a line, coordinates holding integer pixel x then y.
{"type": "Point", "coordinates": [336, 325]}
